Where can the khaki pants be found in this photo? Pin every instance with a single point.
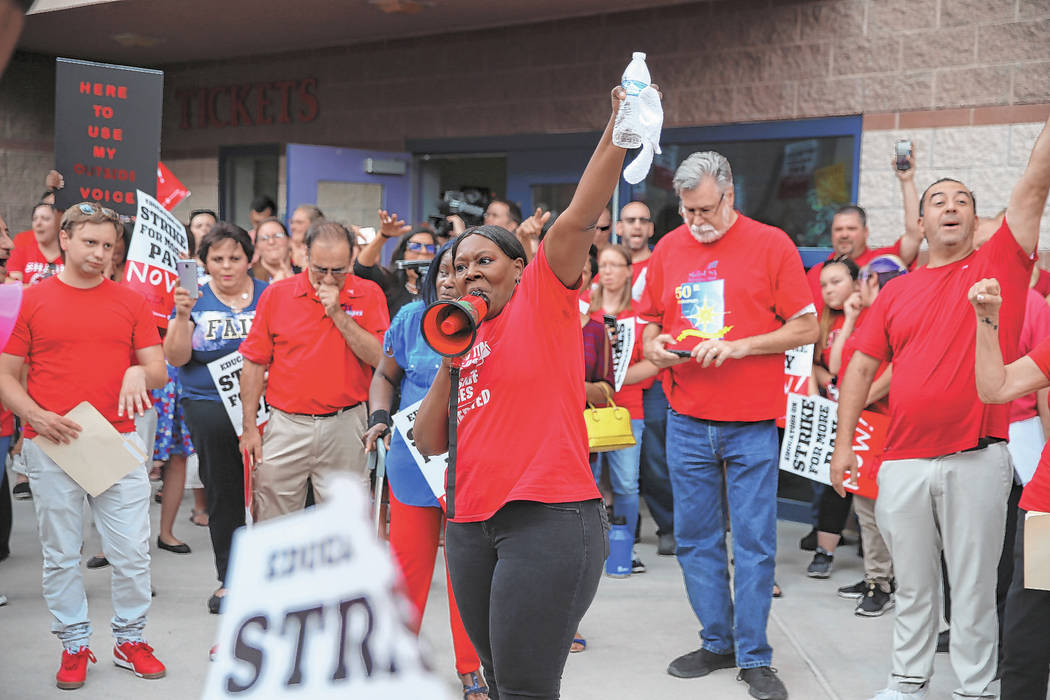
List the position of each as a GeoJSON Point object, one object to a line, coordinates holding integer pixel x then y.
{"type": "Point", "coordinates": [958, 503]}
{"type": "Point", "coordinates": [878, 565]}
{"type": "Point", "coordinates": [295, 447]}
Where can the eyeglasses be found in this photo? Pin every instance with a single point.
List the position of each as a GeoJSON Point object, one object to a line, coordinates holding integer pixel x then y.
{"type": "Point", "coordinates": [89, 208]}
{"type": "Point", "coordinates": [632, 220]}
{"type": "Point", "coordinates": [421, 247]}
{"type": "Point", "coordinates": [325, 271]}
{"type": "Point", "coordinates": [703, 211]}
{"type": "Point", "coordinates": [271, 237]}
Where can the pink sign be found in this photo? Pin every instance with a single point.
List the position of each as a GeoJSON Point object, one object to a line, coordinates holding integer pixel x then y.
{"type": "Point", "coordinates": [10, 302]}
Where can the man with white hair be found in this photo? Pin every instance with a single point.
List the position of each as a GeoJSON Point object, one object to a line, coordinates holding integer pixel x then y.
{"type": "Point", "coordinates": [729, 294]}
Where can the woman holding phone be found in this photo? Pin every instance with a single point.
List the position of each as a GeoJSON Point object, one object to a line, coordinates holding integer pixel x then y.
{"type": "Point", "coordinates": [526, 534]}
{"type": "Point", "coordinates": [203, 329]}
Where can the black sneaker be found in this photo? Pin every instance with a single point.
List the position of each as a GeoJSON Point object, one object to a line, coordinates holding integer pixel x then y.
{"type": "Point", "coordinates": [820, 567]}
{"type": "Point", "coordinates": [666, 545]}
{"type": "Point", "coordinates": [700, 663]}
{"type": "Point", "coordinates": [875, 601]}
{"type": "Point", "coordinates": [637, 567]}
{"type": "Point", "coordinates": [763, 683]}
{"type": "Point", "coordinates": [855, 591]}
{"type": "Point", "coordinates": [809, 542]}
{"type": "Point", "coordinates": [21, 491]}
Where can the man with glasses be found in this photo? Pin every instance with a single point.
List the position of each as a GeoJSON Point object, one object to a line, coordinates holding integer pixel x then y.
{"type": "Point", "coordinates": [73, 318]}
{"type": "Point", "coordinates": [728, 295]}
{"type": "Point", "coordinates": [319, 334]}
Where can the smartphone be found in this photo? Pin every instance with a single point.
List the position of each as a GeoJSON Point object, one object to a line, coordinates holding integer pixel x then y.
{"type": "Point", "coordinates": [902, 150]}
{"type": "Point", "coordinates": [187, 270]}
{"type": "Point", "coordinates": [681, 353]}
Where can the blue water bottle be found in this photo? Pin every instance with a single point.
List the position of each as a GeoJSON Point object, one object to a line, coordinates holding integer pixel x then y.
{"type": "Point", "coordinates": [621, 544]}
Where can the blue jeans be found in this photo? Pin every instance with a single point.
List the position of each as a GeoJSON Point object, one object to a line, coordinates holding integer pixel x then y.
{"type": "Point", "coordinates": [655, 482]}
{"type": "Point", "coordinates": [623, 475]}
{"type": "Point", "coordinates": [696, 451]}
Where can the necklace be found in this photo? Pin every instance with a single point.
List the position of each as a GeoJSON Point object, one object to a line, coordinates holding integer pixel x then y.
{"type": "Point", "coordinates": [243, 297]}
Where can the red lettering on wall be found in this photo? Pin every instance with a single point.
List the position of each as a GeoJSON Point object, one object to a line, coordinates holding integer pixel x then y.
{"type": "Point", "coordinates": [308, 105]}
{"type": "Point", "coordinates": [213, 117]}
{"type": "Point", "coordinates": [262, 103]}
{"type": "Point", "coordinates": [238, 111]}
{"type": "Point", "coordinates": [285, 86]}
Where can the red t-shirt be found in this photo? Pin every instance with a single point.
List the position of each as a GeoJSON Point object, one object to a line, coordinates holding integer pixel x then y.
{"type": "Point", "coordinates": [748, 282]}
{"type": "Point", "coordinates": [1036, 494]}
{"type": "Point", "coordinates": [869, 254]}
{"type": "Point", "coordinates": [639, 274]}
{"type": "Point", "coordinates": [923, 324]}
{"type": "Point", "coordinates": [1042, 284]}
{"type": "Point", "coordinates": [1034, 329]}
{"type": "Point", "coordinates": [312, 369]}
{"type": "Point", "coordinates": [32, 263]}
{"type": "Point", "coordinates": [7, 423]}
{"type": "Point", "coordinates": [78, 344]}
{"type": "Point", "coordinates": [24, 238]}
{"type": "Point", "coordinates": [838, 319]}
{"type": "Point", "coordinates": [882, 405]}
{"type": "Point", "coordinates": [521, 435]}
{"type": "Point", "coordinates": [630, 395]}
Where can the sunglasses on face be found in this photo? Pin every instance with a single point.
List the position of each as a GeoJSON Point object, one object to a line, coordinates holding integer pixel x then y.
{"type": "Point", "coordinates": [421, 247]}
{"type": "Point", "coordinates": [333, 271]}
{"type": "Point", "coordinates": [632, 220]}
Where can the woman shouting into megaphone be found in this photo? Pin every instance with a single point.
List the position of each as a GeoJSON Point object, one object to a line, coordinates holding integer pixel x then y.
{"type": "Point", "coordinates": [526, 537]}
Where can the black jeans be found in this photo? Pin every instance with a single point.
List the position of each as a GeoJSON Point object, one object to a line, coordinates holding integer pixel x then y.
{"type": "Point", "coordinates": [221, 472]}
{"type": "Point", "coordinates": [1027, 645]}
{"type": "Point", "coordinates": [833, 512]}
{"type": "Point", "coordinates": [523, 580]}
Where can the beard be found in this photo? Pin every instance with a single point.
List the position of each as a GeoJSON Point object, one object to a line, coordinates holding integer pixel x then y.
{"type": "Point", "coordinates": [706, 233]}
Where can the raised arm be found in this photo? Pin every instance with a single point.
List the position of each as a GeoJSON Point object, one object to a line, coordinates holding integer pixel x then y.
{"type": "Point", "coordinates": [912, 238]}
{"type": "Point", "coordinates": [570, 237]}
{"type": "Point", "coordinates": [1028, 198]}
{"type": "Point", "coordinates": [390, 226]}
{"type": "Point", "coordinates": [997, 383]}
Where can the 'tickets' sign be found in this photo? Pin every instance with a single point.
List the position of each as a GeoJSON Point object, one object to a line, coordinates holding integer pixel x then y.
{"type": "Point", "coordinates": [107, 133]}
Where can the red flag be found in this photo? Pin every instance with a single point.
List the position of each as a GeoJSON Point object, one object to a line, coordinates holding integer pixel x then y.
{"type": "Point", "coordinates": [169, 190]}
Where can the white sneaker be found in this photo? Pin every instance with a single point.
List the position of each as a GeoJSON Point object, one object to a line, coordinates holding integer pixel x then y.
{"type": "Point", "coordinates": [890, 694]}
{"type": "Point", "coordinates": [3, 600]}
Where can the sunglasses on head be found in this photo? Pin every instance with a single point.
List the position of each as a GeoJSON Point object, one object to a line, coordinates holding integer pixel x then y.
{"type": "Point", "coordinates": [89, 208]}
{"type": "Point", "coordinates": [421, 247]}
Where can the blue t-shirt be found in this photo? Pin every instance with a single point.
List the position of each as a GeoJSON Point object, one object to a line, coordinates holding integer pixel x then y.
{"type": "Point", "coordinates": [404, 342]}
{"type": "Point", "coordinates": [217, 332]}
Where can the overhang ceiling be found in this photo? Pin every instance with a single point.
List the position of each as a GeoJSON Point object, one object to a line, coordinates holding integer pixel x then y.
{"type": "Point", "coordinates": [160, 32]}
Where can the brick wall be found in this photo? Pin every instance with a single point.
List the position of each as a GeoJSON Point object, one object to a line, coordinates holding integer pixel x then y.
{"type": "Point", "coordinates": [718, 61]}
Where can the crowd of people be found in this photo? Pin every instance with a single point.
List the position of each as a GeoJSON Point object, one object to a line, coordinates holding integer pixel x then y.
{"type": "Point", "coordinates": [687, 336]}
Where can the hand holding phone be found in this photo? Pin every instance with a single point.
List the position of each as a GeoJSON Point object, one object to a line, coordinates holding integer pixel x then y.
{"type": "Point", "coordinates": [902, 152]}
{"type": "Point", "coordinates": [680, 353]}
{"type": "Point", "coordinates": [187, 270]}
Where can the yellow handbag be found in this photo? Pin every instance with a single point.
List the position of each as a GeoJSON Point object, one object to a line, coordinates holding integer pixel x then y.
{"type": "Point", "coordinates": [608, 428]}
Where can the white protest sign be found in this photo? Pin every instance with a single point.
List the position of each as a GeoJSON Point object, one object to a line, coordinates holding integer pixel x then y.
{"type": "Point", "coordinates": [226, 373]}
{"type": "Point", "coordinates": [433, 467]}
{"type": "Point", "coordinates": [809, 440]}
{"type": "Point", "coordinates": [798, 362]}
{"type": "Point", "coordinates": [311, 611]}
{"type": "Point", "coordinates": [622, 350]}
{"type": "Point", "coordinates": [159, 239]}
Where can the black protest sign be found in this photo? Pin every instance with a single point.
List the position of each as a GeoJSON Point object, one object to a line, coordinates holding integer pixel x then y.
{"type": "Point", "coordinates": [107, 133]}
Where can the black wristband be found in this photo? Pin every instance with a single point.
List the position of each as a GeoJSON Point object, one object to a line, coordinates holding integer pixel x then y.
{"type": "Point", "coordinates": [377, 417]}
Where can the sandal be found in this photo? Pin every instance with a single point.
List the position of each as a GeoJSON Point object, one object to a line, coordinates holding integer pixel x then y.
{"type": "Point", "coordinates": [578, 641]}
{"type": "Point", "coordinates": [197, 515]}
{"type": "Point", "coordinates": [476, 689]}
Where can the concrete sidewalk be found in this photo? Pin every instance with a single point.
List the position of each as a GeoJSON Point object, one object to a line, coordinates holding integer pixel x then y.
{"type": "Point", "coordinates": [635, 627]}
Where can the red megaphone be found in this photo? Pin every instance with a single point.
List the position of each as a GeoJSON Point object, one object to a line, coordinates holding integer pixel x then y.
{"type": "Point", "coordinates": [450, 327]}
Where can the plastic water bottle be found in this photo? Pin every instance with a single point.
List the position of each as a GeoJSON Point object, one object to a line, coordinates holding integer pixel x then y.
{"type": "Point", "coordinates": [621, 545]}
{"type": "Point", "coordinates": [627, 131]}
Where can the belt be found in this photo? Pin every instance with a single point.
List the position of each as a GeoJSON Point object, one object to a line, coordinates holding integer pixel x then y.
{"type": "Point", "coordinates": [336, 412]}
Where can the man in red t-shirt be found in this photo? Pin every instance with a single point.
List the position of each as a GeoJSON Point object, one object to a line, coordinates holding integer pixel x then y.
{"type": "Point", "coordinates": [849, 233]}
{"type": "Point", "coordinates": [77, 333]}
{"type": "Point", "coordinates": [946, 474]}
{"type": "Point", "coordinates": [320, 334]}
{"type": "Point", "coordinates": [729, 293]}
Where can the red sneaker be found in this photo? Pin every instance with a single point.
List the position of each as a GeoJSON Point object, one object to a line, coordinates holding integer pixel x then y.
{"type": "Point", "coordinates": [74, 668]}
{"type": "Point", "coordinates": [138, 658]}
